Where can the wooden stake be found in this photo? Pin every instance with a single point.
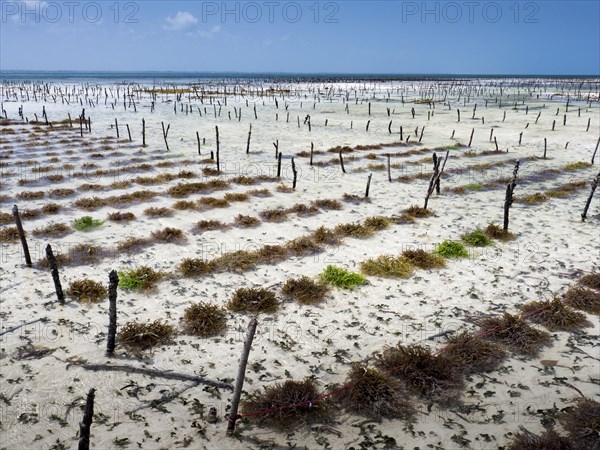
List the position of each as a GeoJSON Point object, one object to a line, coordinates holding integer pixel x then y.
{"type": "Point", "coordinates": [86, 424]}
{"type": "Point", "coordinates": [342, 161]}
{"type": "Point", "coordinates": [436, 165]}
{"type": "Point", "coordinates": [128, 132]}
{"type": "Point", "coordinates": [435, 178]}
{"type": "Point", "coordinates": [594, 154]}
{"type": "Point", "coordinates": [218, 148]}
{"type": "Point", "coordinates": [117, 127]}
{"type": "Point", "coordinates": [589, 200]}
{"type": "Point", "coordinates": [389, 168]}
{"type": "Point", "coordinates": [368, 185]}
{"type": "Point", "coordinates": [239, 382]}
{"type": "Point", "coordinates": [471, 138]}
{"type": "Point", "coordinates": [113, 282]}
{"type": "Point", "coordinates": [312, 147]}
{"type": "Point", "coordinates": [248, 143]}
{"type": "Point", "coordinates": [295, 172]}
{"type": "Point", "coordinates": [55, 277]}
{"type": "Point", "coordinates": [279, 165]}
{"type": "Point", "coordinates": [165, 133]}
{"type": "Point", "coordinates": [198, 140]}
{"type": "Point", "coordinates": [545, 147]}
{"type": "Point", "coordinates": [19, 225]}
{"type": "Point", "coordinates": [508, 199]}
{"type": "Point", "coordinates": [143, 133]}
{"type": "Point", "coordinates": [496, 143]}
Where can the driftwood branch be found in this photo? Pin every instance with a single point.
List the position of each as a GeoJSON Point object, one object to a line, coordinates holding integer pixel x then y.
{"type": "Point", "coordinates": [155, 373]}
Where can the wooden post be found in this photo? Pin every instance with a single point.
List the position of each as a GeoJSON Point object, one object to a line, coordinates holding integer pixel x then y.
{"type": "Point", "coordinates": [471, 138]}
{"type": "Point", "coordinates": [165, 133]}
{"type": "Point", "coordinates": [401, 137]}
{"type": "Point", "coordinates": [458, 112]}
{"type": "Point", "coordinates": [89, 124]}
{"type": "Point", "coordinates": [113, 282]}
{"type": "Point", "coordinates": [143, 133]}
{"type": "Point", "coordinates": [368, 185]}
{"type": "Point", "coordinates": [117, 127]}
{"type": "Point", "coordinates": [295, 172]}
{"type": "Point", "coordinates": [279, 165]}
{"type": "Point", "coordinates": [508, 199]}
{"type": "Point", "coordinates": [312, 148]}
{"type": "Point", "coordinates": [389, 168]}
{"type": "Point", "coordinates": [491, 134]}
{"type": "Point", "coordinates": [86, 424]}
{"type": "Point", "coordinates": [239, 382]}
{"type": "Point", "coordinates": [390, 127]}
{"type": "Point", "coordinates": [218, 148]}
{"type": "Point", "coordinates": [19, 225]}
{"type": "Point", "coordinates": [129, 132]}
{"type": "Point", "coordinates": [368, 123]}
{"type": "Point", "coordinates": [276, 145]}
{"type": "Point", "coordinates": [198, 139]}
{"type": "Point", "coordinates": [248, 143]}
{"type": "Point", "coordinates": [553, 124]}
{"type": "Point", "coordinates": [342, 161]}
{"type": "Point", "coordinates": [81, 126]}
{"type": "Point", "coordinates": [595, 182]}
{"type": "Point", "coordinates": [435, 178]}
{"type": "Point", "coordinates": [588, 125]}
{"type": "Point", "coordinates": [496, 143]}
{"type": "Point", "coordinates": [520, 137]}
{"type": "Point", "coordinates": [421, 135]}
{"type": "Point", "coordinates": [55, 277]}
{"type": "Point", "coordinates": [436, 166]}
{"type": "Point", "coordinates": [594, 154]}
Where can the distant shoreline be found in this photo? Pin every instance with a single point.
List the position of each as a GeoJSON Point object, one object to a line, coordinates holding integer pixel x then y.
{"type": "Point", "coordinates": [23, 75]}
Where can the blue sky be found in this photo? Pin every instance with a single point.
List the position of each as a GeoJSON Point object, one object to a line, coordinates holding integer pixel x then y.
{"type": "Point", "coordinates": [469, 37]}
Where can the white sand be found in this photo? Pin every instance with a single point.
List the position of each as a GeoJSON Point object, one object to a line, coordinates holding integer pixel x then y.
{"type": "Point", "coordinates": [553, 248]}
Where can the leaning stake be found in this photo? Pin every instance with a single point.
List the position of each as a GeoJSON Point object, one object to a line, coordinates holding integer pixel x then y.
{"type": "Point", "coordinates": [239, 382]}
{"type": "Point", "coordinates": [19, 225]}
{"type": "Point", "coordinates": [595, 182]}
{"type": "Point", "coordinates": [55, 277]}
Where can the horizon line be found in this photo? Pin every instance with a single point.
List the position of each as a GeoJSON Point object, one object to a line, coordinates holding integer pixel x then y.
{"type": "Point", "coordinates": [234, 73]}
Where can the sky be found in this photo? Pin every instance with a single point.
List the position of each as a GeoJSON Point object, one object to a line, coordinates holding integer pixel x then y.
{"type": "Point", "coordinates": [384, 37]}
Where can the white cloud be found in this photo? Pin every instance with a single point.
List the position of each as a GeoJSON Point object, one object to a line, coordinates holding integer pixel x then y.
{"type": "Point", "coordinates": [180, 21]}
